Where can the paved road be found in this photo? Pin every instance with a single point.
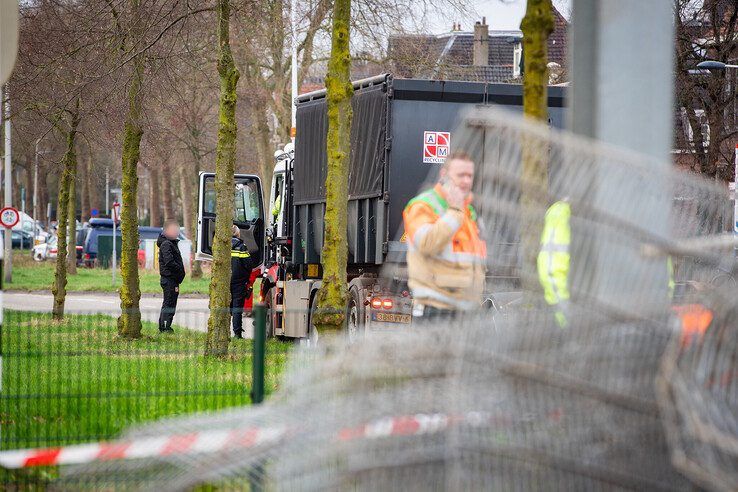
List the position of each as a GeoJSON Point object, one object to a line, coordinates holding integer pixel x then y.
{"type": "Point", "coordinates": [191, 313]}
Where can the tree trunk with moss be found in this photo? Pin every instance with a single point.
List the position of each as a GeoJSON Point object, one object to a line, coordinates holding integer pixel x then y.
{"type": "Point", "coordinates": [72, 223]}
{"type": "Point", "coordinates": [218, 336]}
{"type": "Point", "coordinates": [59, 287]}
{"type": "Point", "coordinates": [129, 322]}
{"type": "Point", "coordinates": [330, 314]}
{"type": "Point", "coordinates": [537, 25]}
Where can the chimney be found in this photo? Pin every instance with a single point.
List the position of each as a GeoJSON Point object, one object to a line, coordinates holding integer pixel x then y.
{"type": "Point", "coordinates": [481, 43]}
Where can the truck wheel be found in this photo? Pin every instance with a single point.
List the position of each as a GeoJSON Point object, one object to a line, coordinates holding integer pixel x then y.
{"type": "Point", "coordinates": [269, 315]}
{"type": "Point", "coordinates": [355, 326]}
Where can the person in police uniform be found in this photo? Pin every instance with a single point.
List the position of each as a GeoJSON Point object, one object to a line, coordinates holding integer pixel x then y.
{"type": "Point", "coordinates": [242, 262]}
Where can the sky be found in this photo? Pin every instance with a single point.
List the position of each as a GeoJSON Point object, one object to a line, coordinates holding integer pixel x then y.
{"type": "Point", "coordinates": [501, 15]}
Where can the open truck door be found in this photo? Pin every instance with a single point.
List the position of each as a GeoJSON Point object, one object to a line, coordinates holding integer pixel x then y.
{"type": "Point", "coordinates": [248, 214]}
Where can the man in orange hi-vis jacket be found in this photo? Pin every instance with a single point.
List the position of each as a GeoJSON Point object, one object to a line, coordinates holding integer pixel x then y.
{"type": "Point", "coordinates": [446, 255]}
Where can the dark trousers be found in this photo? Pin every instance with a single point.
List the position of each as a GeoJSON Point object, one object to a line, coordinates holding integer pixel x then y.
{"type": "Point", "coordinates": [238, 297]}
{"type": "Point", "coordinates": [169, 304]}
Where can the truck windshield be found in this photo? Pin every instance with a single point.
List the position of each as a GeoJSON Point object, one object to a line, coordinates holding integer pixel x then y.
{"type": "Point", "coordinates": [245, 200]}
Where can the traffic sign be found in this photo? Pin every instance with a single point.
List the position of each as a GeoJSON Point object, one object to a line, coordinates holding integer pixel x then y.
{"type": "Point", "coordinates": [9, 216]}
{"type": "Point", "coordinates": [94, 212]}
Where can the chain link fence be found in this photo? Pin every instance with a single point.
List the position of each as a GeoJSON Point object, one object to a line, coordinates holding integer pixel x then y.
{"type": "Point", "coordinates": [77, 381]}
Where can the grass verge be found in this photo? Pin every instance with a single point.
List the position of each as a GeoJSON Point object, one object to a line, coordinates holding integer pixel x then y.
{"type": "Point", "coordinates": [30, 275]}
{"type": "Point", "coordinates": [76, 381]}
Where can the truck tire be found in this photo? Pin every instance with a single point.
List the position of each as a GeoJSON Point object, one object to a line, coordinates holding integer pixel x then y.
{"type": "Point", "coordinates": [269, 315]}
{"type": "Point", "coordinates": [355, 326]}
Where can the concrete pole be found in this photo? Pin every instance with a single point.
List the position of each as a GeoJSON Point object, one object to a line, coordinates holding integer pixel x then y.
{"type": "Point", "coordinates": [293, 23]}
{"type": "Point", "coordinates": [115, 263]}
{"type": "Point", "coordinates": [735, 193]}
{"type": "Point", "coordinates": [622, 94]}
{"type": "Point", "coordinates": [107, 190]}
{"type": "Point", "coordinates": [8, 259]}
{"type": "Point", "coordinates": [35, 189]}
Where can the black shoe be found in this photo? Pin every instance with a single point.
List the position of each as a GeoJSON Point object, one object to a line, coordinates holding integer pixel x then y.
{"type": "Point", "coordinates": [238, 335]}
{"type": "Point", "coordinates": [166, 330]}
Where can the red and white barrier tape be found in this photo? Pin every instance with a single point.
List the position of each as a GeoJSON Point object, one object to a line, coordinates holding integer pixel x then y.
{"type": "Point", "coordinates": [214, 441]}
{"type": "Point", "coordinates": [147, 447]}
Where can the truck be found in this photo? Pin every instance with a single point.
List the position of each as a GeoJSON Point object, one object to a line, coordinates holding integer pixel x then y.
{"type": "Point", "coordinates": [401, 132]}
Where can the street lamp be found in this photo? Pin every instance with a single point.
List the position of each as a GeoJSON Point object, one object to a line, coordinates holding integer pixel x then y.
{"type": "Point", "coordinates": [715, 65]}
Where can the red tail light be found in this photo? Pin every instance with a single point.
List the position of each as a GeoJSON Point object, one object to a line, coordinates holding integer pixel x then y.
{"type": "Point", "coordinates": [377, 303]}
{"type": "Point", "coordinates": [405, 293]}
{"type": "Point", "coordinates": [87, 256]}
{"type": "Point", "coordinates": [388, 304]}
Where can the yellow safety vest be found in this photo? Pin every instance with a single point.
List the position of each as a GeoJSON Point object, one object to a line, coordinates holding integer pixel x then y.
{"type": "Point", "coordinates": [554, 258]}
{"type": "Point", "coordinates": [277, 207]}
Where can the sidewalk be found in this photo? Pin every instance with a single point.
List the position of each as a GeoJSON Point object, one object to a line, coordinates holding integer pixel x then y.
{"type": "Point", "coordinates": [192, 312]}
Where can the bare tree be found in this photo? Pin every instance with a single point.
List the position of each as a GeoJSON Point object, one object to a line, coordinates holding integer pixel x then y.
{"type": "Point", "coordinates": [220, 295]}
{"type": "Point", "coordinates": [129, 322]}
{"type": "Point", "coordinates": [70, 164]}
{"type": "Point", "coordinates": [332, 297]}
{"type": "Point", "coordinates": [707, 30]}
{"type": "Point", "coordinates": [537, 25]}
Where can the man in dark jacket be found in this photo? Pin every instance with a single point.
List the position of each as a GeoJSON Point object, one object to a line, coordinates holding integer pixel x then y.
{"type": "Point", "coordinates": [171, 269]}
{"type": "Point", "coordinates": [241, 265]}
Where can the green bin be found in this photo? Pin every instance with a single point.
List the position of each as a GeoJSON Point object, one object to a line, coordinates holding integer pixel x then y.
{"type": "Point", "coordinates": [105, 250]}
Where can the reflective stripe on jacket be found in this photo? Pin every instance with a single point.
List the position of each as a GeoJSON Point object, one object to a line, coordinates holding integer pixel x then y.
{"type": "Point", "coordinates": [241, 262]}
{"type": "Point", "coordinates": [446, 256]}
{"type": "Point", "coordinates": [554, 258]}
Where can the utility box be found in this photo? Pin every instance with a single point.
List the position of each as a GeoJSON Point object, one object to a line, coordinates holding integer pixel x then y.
{"type": "Point", "coordinates": [105, 250]}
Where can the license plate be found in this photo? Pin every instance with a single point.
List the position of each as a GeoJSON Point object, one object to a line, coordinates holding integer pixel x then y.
{"type": "Point", "coordinates": [391, 318]}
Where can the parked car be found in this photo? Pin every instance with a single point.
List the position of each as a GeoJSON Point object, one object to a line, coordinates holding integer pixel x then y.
{"type": "Point", "coordinates": [80, 241]}
{"type": "Point", "coordinates": [46, 249]}
{"type": "Point", "coordinates": [22, 239]}
{"type": "Point", "coordinates": [144, 233]}
{"type": "Point", "coordinates": [104, 227]}
{"type": "Point", "coordinates": [97, 228]}
{"type": "Point", "coordinates": [148, 232]}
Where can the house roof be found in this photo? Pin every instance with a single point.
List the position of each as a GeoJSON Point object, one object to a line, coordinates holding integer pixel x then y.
{"type": "Point", "coordinates": [558, 40]}
{"type": "Point", "coordinates": [449, 55]}
{"type": "Point", "coordinates": [472, 73]}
